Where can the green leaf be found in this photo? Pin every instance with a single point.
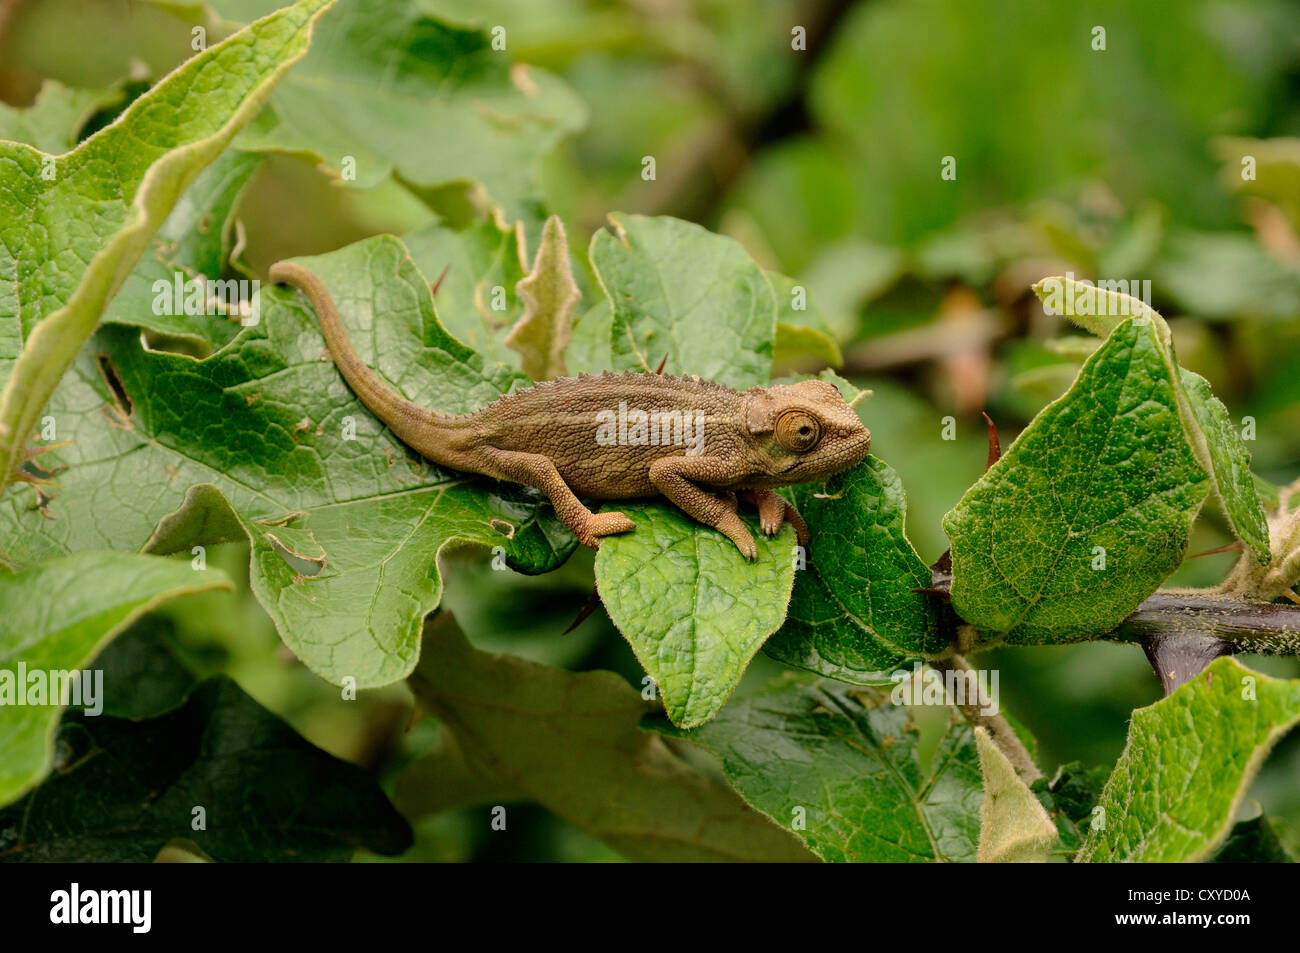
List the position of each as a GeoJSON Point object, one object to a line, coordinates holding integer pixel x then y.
{"type": "Point", "coordinates": [404, 93]}
{"type": "Point", "coordinates": [589, 347]}
{"type": "Point", "coordinates": [676, 291]}
{"type": "Point", "coordinates": [690, 605]}
{"type": "Point", "coordinates": [802, 331]}
{"type": "Point", "coordinates": [346, 524]}
{"type": "Point", "coordinates": [53, 122]}
{"type": "Point", "coordinates": [549, 293]}
{"type": "Point", "coordinates": [127, 788]}
{"type": "Point", "coordinates": [843, 763]}
{"type": "Point", "coordinates": [1069, 798]}
{"type": "Point", "coordinates": [571, 742]}
{"type": "Point", "coordinates": [1189, 761]}
{"type": "Point", "coordinates": [681, 292]}
{"type": "Point", "coordinates": [144, 657]}
{"type": "Point", "coordinates": [853, 615]}
{"type": "Point", "coordinates": [1215, 440]}
{"type": "Point", "coordinates": [58, 615]}
{"type": "Point", "coordinates": [1220, 443]}
{"type": "Point", "coordinates": [1102, 473]}
{"type": "Point", "coordinates": [106, 198]}
{"type": "Point", "coordinates": [1014, 827]}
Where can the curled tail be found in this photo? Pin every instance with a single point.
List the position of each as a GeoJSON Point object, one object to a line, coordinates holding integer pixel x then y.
{"type": "Point", "coordinates": [435, 436]}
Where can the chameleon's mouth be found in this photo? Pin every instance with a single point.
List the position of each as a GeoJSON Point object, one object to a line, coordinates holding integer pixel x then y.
{"type": "Point", "coordinates": [853, 452]}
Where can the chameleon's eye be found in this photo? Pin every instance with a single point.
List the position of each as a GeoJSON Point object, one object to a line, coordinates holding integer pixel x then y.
{"type": "Point", "coordinates": [798, 431]}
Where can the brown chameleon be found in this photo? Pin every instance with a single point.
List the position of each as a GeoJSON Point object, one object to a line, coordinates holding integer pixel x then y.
{"type": "Point", "coordinates": [623, 436]}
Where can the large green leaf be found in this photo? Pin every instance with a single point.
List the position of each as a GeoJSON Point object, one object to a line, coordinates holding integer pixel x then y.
{"type": "Point", "coordinates": [56, 616]}
{"type": "Point", "coordinates": [1014, 826]}
{"type": "Point", "coordinates": [673, 587]}
{"type": "Point", "coordinates": [1091, 507]}
{"type": "Point", "coordinates": [853, 615]}
{"type": "Point", "coordinates": [126, 788]}
{"type": "Point", "coordinates": [95, 207]}
{"type": "Point", "coordinates": [1188, 763]}
{"type": "Point", "coordinates": [398, 91]}
{"type": "Point", "coordinates": [839, 766]}
{"type": "Point", "coordinates": [680, 292]}
{"type": "Point", "coordinates": [345, 530]}
{"type": "Point", "coordinates": [1215, 440]}
{"type": "Point", "coordinates": [692, 607]}
{"type": "Point", "coordinates": [525, 731]}
{"type": "Point", "coordinates": [194, 241]}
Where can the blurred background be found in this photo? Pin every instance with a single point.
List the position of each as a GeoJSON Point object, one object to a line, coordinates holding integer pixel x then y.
{"type": "Point", "coordinates": [1112, 154]}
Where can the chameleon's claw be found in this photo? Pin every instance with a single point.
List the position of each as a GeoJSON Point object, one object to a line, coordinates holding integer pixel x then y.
{"type": "Point", "coordinates": [735, 531]}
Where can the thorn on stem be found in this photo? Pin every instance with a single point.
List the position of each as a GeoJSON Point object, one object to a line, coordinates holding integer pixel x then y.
{"type": "Point", "coordinates": [934, 591]}
{"type": "Point", "coordinates": [438, 284]}
{"type": "Point", "coordinates": [592, 602]}
{"type": "Point", "coordinates": [37, 451]}
{"type": "Point", "coordinates": [995, 445]}
{"type": "Point", "coordinates": [1179, 657]}
{"type": "Point", "coordinates": [1234, 547]}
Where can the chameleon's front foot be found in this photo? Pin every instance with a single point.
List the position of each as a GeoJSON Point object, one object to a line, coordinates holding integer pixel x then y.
{"type": "Point", "coordinates": [603, 524]}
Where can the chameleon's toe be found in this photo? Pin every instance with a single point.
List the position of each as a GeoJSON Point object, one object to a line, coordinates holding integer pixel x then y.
{"type": "Point", "coordinates": [605, 524]}
{"type": "Point", "coordinates": [770, 525]}
{"type": "Point", "coordinates": [744, 542]}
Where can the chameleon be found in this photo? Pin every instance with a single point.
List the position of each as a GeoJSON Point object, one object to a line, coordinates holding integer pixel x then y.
{"type": "Point", "coordinates": [576, 437]}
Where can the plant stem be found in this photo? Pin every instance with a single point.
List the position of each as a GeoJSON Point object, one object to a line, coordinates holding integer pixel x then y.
{"type": "Point", "coordinates": [999, 729]}
{"type": "Point", "coordinates": [1264, 628]}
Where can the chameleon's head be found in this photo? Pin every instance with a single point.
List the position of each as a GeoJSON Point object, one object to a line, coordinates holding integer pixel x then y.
{"type": "Point", "coordinates": [804, 432]}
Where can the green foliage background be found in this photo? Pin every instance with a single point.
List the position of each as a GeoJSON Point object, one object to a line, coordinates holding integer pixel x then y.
{"type": "Point", "coordinates": [825, 165]}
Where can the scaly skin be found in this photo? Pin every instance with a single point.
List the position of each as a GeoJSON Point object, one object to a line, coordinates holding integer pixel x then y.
{"type": "Point", "coordinates": [548, 436]}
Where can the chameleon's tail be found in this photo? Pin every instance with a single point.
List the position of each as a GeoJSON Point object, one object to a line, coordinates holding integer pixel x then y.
{"type": "Point", "coordinates": [434, 435]}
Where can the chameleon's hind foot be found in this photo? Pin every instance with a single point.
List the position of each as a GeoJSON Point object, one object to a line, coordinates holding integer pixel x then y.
{"type": "Point", "coordinates": [774, 511]}
{"type": "Point", "coordinates": [604, 524]}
